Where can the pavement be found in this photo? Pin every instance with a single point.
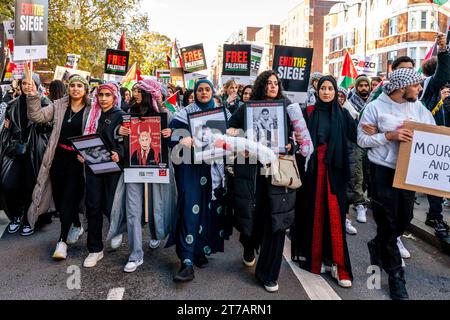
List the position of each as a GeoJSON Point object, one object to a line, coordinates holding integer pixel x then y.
{"type": "Point", "coordinates": [28, 272]}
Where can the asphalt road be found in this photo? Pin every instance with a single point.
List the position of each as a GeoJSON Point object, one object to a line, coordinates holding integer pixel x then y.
{"type": "Point", "coordinates": [28, 272]}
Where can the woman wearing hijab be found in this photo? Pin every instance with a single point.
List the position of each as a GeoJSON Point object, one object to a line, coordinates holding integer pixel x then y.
{"type": "Point", "coordinates": [199, 228]}
{"type": "Point", "coordinates": [318, 236]}
{"type": "Point", "coordinates": [263, 212]}
{"type": "Point", "coordinates": [61, 175]}
{"type": "Point", "coordinates": [22, 145]}
{"type": "Point", "coordinates": [105, 118]}
{"type": "Point", "coordinates": [162, 201]}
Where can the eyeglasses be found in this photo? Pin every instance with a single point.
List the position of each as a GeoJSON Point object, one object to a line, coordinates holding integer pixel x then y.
{"type": "Point", "coordinates": [107, 95]}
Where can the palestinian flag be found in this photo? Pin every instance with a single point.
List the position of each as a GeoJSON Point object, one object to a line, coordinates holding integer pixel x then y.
{"type": "Point", "coordinates": [431, 53]}
{"type": "Point", "coordinates": [348, 72]}
{"type": "Point", "coordinates": [133, 75]}
{"type": "Point", "coordinates": [171, 103]}
{"type": "Point", "coordinates": [121, 45]}
{"type": "Point", "coordinates": [175, 59]}
{"type": "Point", "coordinates": [439, 2]}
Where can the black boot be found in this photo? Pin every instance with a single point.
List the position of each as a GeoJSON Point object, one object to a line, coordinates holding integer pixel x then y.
{"type": "Point", "coordinates": [201, 261]}
{"type": "Point", "coordinates": [185, 274]}
{"type": "Point", "coordinates": [375, 253]}
{"type": "Point", "coordinates": [397, 286]}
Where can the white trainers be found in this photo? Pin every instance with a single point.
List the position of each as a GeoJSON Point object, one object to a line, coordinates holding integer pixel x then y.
{"type": "Point", "coordinates": [131, 266]}
{"type": "Point", "coordinates": [341, 283]}
{"type": "Point", "coordinates": [116, 242]}
{"type": "Point", "coordinates": [14, 225]}
{"type": "Point", "coordinates": [361, 212]}
{"type": "Point", "coordinates": [74, 234]}
{"type": "Point", "coordinates": [403, 251]}
{"type": "Point", "coordinates": [349, 228]}
{"type": "Point", "coordinates": [92, 259]}
{"type": "Point", "coordinates": [60, 251]}
{"type": "Point", "coordinates": [154, 244]}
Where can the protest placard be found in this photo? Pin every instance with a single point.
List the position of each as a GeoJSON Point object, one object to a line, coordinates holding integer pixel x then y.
{"type": "Point", "coordinates": [424, 164]}
{"type": "Point", "coordinates": [63, 73]}
{"type": "Point", "coordinates": [163, 76]}
{"type": "Point", "coordinates": [293, 66]}
{"type": "Point", "coordinates": [116, 62]}
{"type": "Point", "coordinates": [30, 34]}
{"type": "Point", "coordinates": [236, 63]}
{"type": "Point", "coordinates": [193, 58]}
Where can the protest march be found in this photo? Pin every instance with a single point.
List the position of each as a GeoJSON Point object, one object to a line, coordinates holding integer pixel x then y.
{"type": "Point", "coordinates": [282, 153]}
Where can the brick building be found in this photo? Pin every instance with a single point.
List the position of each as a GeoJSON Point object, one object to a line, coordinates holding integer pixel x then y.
{"type": "Point", "coordinates": [383, 29]}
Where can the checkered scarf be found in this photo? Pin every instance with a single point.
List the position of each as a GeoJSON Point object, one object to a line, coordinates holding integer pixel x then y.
{"type": "Point", "coordinates": [401, 78]}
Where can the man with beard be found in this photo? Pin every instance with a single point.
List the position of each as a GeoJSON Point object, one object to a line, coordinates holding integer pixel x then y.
{"type": "Point", "coordinates": [359, 100]}
{"type": "Point", "coordinates": [392, 207]}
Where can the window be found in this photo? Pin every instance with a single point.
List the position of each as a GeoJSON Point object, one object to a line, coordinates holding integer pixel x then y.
{"type": "Point", "coordinates": [349, 39]}
{"type": "Point", "coordinates": [335, 44]}
{"type": "Point", "coordinates": [376, 31]}
{"type": "Point", "coordinates": [393, 27]}
{"type": "Point", "coordinates": [392, 55]}
{"type": "Point", "coordinates": [423, 20]}
{"type": "Point", "coordinates": [413, 53]}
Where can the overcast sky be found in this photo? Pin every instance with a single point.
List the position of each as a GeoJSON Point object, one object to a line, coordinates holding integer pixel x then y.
{"type": "Point", "coordinates": [211, 22]}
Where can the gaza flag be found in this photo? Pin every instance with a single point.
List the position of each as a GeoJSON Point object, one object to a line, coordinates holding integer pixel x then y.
{"type": "Point", "coordinates": [348, 72]}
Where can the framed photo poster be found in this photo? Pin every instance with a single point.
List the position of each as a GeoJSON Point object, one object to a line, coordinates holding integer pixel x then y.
{"type": "Point", "coordinates": [202, 125]}
{"type": "Point", "coordinates": [95, 153]}
{"type": "Point", "coordinates": [266, 123]}
{"type": "Point", "coordinates": [147, 152]}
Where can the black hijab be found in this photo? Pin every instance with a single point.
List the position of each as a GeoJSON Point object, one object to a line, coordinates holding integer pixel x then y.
{"type": "Point", "coordinates": [337, 156]}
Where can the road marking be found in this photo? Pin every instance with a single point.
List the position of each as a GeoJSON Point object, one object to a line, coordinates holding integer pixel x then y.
{"type": "Point", "coordinates": [316, 287]}
{"type": "Point", "coordinates": [116, 294]}
{"type": "Point", "coordinates": [3, 222]}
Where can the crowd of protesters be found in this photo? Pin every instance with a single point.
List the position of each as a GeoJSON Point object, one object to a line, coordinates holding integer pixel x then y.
{"type": "Point", "coordinates": [346, 148]}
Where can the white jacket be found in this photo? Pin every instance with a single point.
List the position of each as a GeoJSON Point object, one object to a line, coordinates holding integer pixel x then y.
{"type": "Point", "coordinates": [382, 151]}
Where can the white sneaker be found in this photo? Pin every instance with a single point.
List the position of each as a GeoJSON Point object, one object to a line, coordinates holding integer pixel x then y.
{"type": "Point", "coordinates": [60, 251]}
{"type": "Point", "coordinates": [403, 251]}
{"type": "Point", "coordinates": [341, 283]}
{"type": "Point", "coordinates": [116, 241]}
{"type": "Point", "coordinates": [447, 203]}
{"type": "Point", "coordinates": [349, 228]}
{"type": "Point", "coordinates": [74, 234]}
{"type": "Point", "coordinates": [361, 214]}
{"type": "Point", "coordinates": [92, 259]}
{"type": "Point", "coordinates": [154, 244]}
{"type": "Point", "coordinates": [132, 266]}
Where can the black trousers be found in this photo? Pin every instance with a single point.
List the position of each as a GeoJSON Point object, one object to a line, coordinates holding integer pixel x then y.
{"type": "Point", "coordinates": [17, 185]}
{"type": "Point", "coordinates": [435, 211]}
{"type": "Point", "coordinates": [393, 212]}
{"type": "Point", "coordinates": [100, 191]}
{"type": "Point", "coordinates": [271, 244]}
{"type": "Point", "coordinates": [68, 191]}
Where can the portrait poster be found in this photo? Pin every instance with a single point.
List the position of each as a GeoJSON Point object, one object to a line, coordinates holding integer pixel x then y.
{"type": "Point", "coordinates": [202, 126]}
{"type": "Point", "coordinates": [266, 123]}
{"type": "Point", "coordinates": [147, 151]}
{"type": "Point", "coordinates": [96, 154]}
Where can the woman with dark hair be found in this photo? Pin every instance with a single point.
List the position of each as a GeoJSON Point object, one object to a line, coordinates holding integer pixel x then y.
{"type": "Point", "coordinates": [61, 175]}
{"type": "Point", "coordinates": [188, 98]}
{"type": "Point", "coordinates": [262, 211]}
{"type": "Point", "coordinates": [57, 90]}
{"type": "Point", "coordinates": [247, 93]}
{"type": "Point", "coordinates": [318, 235]}
{"type": "Point", "coordinates": [199, 229]}
{"type": "Point", "coordinates": [22, 145]}
{"type": "Point", "coordinates": [126, 98]}
{"type": "Point", "coordinates": [162, 203]}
